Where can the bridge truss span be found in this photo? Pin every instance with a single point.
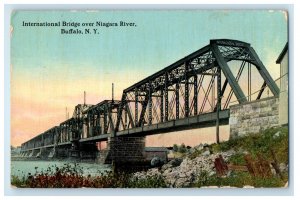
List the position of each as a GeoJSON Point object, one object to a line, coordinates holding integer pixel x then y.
{"type": "Point", "coordinates": [188, 87]}
{"type": "Point", "coordinates": [194, 92]}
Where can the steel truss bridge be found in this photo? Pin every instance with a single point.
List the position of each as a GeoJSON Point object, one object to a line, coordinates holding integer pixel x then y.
{"type": "Point", "coordinates": [194, 92]}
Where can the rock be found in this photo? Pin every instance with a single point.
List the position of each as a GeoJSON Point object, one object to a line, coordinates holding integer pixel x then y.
{"type": "Point", "coordinates": [206, 153]}
{"type": "Point", "coordinates": [153, 172]}
{"type": "Point", "coordinates": [182, 182]}
{"type": "Point", "coordinates": [192, 150]}
{"type": "Point", "coordinates": [185, 164]}
{"type": "Point", "coordinates": [182, 175]}
{"type": "Point", "coordinates": [166, 166]}
{"type": "Point", "coordinates": [211, 173]}
{"type": "Point", "coordinates": [171, 154]}
{"type": "Point", "coordinates": [176, 162]}
{"type": "Point", "coordinates": [282, 167]}
{"type": "Point", "coordinates": [155, 162]}
{"type": "Point", "coordinates": [182, 172]}
{"type": "Point", "coordinates": [139, 175]}
{"type": "Point", "coordinates": [170, 177]}
{"type": "Point", "coordinates": [226, 155]}
{"type": "Point", "coordinates": [166, 171]}
{"type": "Point", "coordinates": [277, 134]}
{"type": "Point", "coordinates": [273, 171]}
{"type": "Point", "coordinates": [199, 147]}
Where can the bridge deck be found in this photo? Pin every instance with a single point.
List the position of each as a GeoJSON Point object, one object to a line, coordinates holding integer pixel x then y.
{"type": "Point", "coordinates": [199, 121]}
{"type": "Point", "coordinates": [48, 146]}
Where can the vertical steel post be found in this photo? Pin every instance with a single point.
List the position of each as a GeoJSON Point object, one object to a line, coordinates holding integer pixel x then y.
{"type": "Point", "coordinates": [67, 132]}
{"type": "Point", "coordinates": [98, 123]}
{"type": "Point", "coordinates": [126, 113]}
{"type": "Point", "coordinates": [177, 100]}
{"type": "Point", "coordinates": [88, 124]}
{"type": "Point", "coordinates": [42, 142]}
{"type": "Point", "coordinates": [161, 105]}
{"type": "Point", "coordinates": [112, 128]}
{"type": "Point", "coordinates": [249, 82]}
{"type": "Point", "coordinates": [213, 94]}
{"type": "Point", "coordinates": [195, 95]}
{"type": "Point", "coordinates": [150, 105]}
{"type": "Point", "coordinates": [166, 97]}
{"type": "Point", "coordinates": [105, 121]}
{"type": "Point", "coordinates": [136, 104]}
{"type": "Point", "coordinates": [120, 110]}
{"type": "Point", "coordinates": [218, 104]}
{"type": "Point", "coordinates": [186, 91]}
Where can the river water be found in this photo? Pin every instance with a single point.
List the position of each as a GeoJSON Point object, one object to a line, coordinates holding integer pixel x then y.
{"type": "Point", "coordinates": [22, 168]}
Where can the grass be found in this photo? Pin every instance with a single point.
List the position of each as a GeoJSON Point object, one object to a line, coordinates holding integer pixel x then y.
{"type": "Point", "coordinates": [238, 179]}
{"type": "Point", "coordinates": [195, 154]}
{"type": "Point", "coordinates": [271, 140]}
{"type": "Point", "coordinates": [261, 143]}
{"type": "Point", "coordinates": [150, 182]}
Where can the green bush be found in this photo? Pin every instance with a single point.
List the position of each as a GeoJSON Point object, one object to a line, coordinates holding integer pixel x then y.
{"type": "Point", "coordinates": [175, 147]}
{"type": "Point", "coordinates": [237, 159]}
{"type": "Point", "coordinates": [182, 148]}
{"type": "Point", "coordinates": [149, 182]}
{"type": "Point", "coordinates": [202, 179]}
{"type": "Point", "coordinates": [195, 154]}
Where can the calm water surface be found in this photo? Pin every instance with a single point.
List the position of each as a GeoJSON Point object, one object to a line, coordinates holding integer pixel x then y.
{"type": "Point", "coordinates": [22, 168]}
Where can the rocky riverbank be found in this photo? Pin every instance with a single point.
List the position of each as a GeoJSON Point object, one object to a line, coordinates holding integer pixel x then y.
{"type": "Point", "coordinates": [196, 168]}
{"type": "Point", "coordinates": [183, 172]}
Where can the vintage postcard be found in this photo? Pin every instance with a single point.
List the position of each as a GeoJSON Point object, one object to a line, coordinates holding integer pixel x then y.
{"type": "Point", "coordinates": [149, 98]}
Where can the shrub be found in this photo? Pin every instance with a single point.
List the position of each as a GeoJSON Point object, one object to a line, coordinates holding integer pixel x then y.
{"type": "Point", "coordinates": [175, 147]}
{"type": "Point", "coordinates": [202, 179]}
{"type": "Point", "coordinates": [155, 181]}
{"type": "Point", "coordinates": [182, 148]}
{"type": "Point", "coordinates": [237, 159]}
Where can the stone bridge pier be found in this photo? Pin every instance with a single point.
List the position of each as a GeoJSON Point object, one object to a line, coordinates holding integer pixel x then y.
{"type": "Point", "coordinates": [122, 151]}
{"type": "Point", "coordinates": [253, 117]}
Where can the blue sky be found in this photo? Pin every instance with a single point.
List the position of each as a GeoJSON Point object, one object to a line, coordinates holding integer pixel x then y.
{"type": "Point", "coordinates": [159, 39]}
